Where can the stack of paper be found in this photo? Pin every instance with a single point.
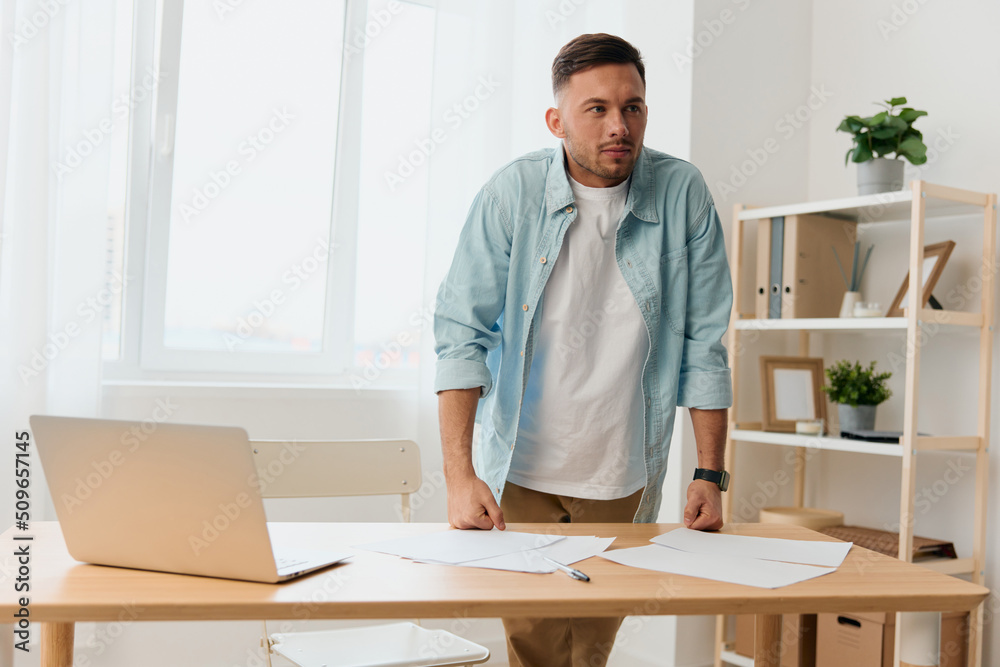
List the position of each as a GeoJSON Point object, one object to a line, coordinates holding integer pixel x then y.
{"type": "Point", "coordinates": [494, 549]}
{"type": "Point", "coordinates": [739, 559]}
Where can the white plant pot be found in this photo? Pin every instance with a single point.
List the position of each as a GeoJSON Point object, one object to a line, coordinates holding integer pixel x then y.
{"type": "Point", "coordinates": [881, 174]}
{"type": "Point", "coordinates": [847, 305]}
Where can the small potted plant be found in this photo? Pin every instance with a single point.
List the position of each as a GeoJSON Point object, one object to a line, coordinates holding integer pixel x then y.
{"type": "Point", "coordinates": [876, 138]}
{"type": "Point", "coordinates": [856, 391]}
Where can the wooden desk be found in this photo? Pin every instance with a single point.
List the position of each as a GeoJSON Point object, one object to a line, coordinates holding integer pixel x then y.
{"type": "Point", "coordinates": [373, 585]}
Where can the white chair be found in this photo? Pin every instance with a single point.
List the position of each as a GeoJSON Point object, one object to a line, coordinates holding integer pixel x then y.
{"type": "Point", "coordinates": [317, 469]}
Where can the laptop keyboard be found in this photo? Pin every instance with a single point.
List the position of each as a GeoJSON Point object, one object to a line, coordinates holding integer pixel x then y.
{"type": "Point", "coordinates": [288, 563]}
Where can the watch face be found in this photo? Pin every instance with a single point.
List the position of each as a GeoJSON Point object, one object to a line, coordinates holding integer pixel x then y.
{"type": "Point", "coordinates": [724, 482]}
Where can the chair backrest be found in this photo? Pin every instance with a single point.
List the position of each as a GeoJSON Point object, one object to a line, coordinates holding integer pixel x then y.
{"type": "Point", "coordinates": [327, 469]}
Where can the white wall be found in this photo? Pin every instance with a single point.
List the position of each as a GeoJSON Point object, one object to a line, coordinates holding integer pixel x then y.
{"type": "Point", "coordinates": [750, 63]}
{"type": "Point", "coordinates": [945, 59]}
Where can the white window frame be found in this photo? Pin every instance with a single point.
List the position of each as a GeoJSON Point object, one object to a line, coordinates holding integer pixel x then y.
{"type": "Point", "coordinates": [143, 355]}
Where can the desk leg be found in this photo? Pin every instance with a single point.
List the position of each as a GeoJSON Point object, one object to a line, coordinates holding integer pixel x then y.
{"type": "Point", "coordinates": [57, 645]}
{"type": "Point", "coordinates": [767, 641]}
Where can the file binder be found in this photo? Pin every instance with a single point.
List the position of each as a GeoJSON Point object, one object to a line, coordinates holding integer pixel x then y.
{"type": "Point", "coordinates": [797, 274]}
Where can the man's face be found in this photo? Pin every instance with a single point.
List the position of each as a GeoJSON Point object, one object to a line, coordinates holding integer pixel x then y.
{"type": "Point", "coordinates": [601, 118]}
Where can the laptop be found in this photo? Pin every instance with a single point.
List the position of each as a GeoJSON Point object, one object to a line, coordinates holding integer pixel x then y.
{"type": "Point", "coordinates": [167, 497]}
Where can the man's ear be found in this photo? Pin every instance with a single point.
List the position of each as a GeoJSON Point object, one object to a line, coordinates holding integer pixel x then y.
{"type": "Point", "coordinates": [554, 122]}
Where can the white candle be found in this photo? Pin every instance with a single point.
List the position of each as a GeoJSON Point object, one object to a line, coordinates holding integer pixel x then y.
{"type": "Point", "coordinates": [809, 427]}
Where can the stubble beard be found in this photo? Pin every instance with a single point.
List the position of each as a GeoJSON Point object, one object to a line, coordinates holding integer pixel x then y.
{"type": "Point", "coordinates": [620, 170]}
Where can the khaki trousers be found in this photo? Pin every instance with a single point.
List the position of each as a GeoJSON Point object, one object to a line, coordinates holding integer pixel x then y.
{"type": "Point", "coordinates": [562, 642]}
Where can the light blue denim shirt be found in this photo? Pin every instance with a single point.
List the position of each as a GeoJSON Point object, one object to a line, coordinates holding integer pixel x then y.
{"type": "Point", "coordinates": [671, 252]}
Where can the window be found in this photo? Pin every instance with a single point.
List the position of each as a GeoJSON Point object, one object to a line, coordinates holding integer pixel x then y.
{"type": "Point", "coordinates": [274, 243]}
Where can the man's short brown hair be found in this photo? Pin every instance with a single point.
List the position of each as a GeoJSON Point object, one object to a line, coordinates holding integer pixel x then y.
{"type": "Point", "coordinates": [587, 51]}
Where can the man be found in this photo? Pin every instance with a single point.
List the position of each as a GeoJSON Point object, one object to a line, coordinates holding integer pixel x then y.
{"type": "Point", "coordinates": [587, 298]}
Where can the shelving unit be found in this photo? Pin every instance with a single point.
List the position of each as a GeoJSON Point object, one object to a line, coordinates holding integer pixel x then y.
{"type": "Point", "coordinates": [922, 201]}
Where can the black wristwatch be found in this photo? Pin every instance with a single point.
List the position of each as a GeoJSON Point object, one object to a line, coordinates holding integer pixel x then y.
{"type": "Point", "coordinates": [720, 477]}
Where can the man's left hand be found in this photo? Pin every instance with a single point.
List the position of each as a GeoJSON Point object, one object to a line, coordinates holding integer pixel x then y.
{"type": "Point", "coordinates": [704, 506]}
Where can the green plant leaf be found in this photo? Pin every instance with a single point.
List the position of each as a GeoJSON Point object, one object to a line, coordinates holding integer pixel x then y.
{"type": "Point", "coordinates": [862, 153]}
{"type": "Point", "coordinates": [853, 384]}
{"type": "Point", "coordinates": [883, 147]}
{"type": "Point", "coordinates": [910, 115]}
{"type": "Point", "coordinates": [914, 150]}
{"type": "Point", "coordinates": [896, 123]}
{"type": "Point", "coordinates": [896, 101]}
{"type": "Point", "coordinates": [886, 132]}
{"type": "Point", "coordinates": [872, 121]}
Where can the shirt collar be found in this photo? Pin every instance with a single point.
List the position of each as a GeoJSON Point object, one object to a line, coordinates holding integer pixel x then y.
{"type": "Point", "coordinates": [641, 194]}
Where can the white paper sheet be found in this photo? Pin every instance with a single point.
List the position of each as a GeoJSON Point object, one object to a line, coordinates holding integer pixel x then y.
{"type": "Point", "coordinates": [457, 546]}
{"type": "Point", "coordinates": [731, 569]}
{"type": "Point", "coordinates": [827, 554]}
{"type": "Point", "coordinates": [566, 551]}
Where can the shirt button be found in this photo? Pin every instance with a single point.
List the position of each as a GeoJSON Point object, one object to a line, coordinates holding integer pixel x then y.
{"type": "Point", "coordinates": [569, 209]}
{"type": "Point", "coordinates": [647, 305]}
{"type": "Point", "coordinates": [648, 402]}
{"type": "Point", "coordinates": [524, 307]}
{"type": "Point", "coordinates": [542, 260]}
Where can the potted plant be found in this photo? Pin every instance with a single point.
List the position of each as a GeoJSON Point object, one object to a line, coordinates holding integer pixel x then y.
{"type": "Point", "coordinates": [856, 391]}
{"type": "Point", "coordinates": [876, 138]}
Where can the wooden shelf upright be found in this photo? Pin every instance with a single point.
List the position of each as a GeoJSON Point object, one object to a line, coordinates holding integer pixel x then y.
{"type": "Point", "coordinates": [918, 203]}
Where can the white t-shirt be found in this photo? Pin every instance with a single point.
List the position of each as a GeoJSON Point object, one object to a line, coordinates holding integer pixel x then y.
{"type": "Point", "coordinates": [581, 428]}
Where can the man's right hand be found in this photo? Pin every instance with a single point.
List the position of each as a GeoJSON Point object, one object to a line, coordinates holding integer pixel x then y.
{"type": "Point", "coordinates": [471, 505]}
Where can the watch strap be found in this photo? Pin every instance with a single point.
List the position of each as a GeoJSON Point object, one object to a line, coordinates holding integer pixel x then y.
{"type": "Point", "coordinates": [718, 477]}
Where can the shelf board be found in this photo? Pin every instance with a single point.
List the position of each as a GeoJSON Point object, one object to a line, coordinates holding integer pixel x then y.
{"type": "Point", "coordinates": [955, 443]}
{"type": "Point", "coordinates": [950, 566]}
{"type": "Point", "coordinates": [734, 658]}
{"type": "Point", "coordinates": [946, 319]}
{"type": "Point", "coordinates": [881, 207]}
{"type": "Point", "coordinates": [830, 443]}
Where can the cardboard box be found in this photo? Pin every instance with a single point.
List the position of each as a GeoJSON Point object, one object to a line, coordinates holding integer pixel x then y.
{"type": "Point", "coordinates": [868, 640]}
{"type": "Point", "coordinates": [798, 636]}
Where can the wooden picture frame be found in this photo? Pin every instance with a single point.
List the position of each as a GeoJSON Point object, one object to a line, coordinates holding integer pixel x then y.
{"type": "Point", "coordinates": [937, 254]}
{"type": "Point", "coordinates": [791, 390]}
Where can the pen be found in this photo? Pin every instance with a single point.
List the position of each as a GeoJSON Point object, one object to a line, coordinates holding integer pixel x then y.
{"type": "Point", "coordinates": [576, 574]}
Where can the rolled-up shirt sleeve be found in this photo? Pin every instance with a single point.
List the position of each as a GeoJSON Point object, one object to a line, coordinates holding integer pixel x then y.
{"type": "Point", "coordinates": [471, 297]}
{"type": "Point", "coordinates": [705, 378]}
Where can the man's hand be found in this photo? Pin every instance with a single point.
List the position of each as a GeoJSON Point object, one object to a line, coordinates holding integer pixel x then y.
{"type": "Point", "coordinates": [471, 505]}
{"type": "Point", "coordinates": [704, 506]}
